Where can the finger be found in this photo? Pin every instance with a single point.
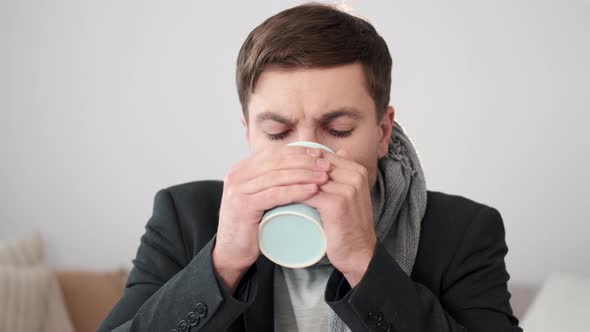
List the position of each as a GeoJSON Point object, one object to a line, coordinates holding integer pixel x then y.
{"type": "Point", "coordinates": [263, 155]}
{"type": "Point", "coordinates": [340, 189]}
{"type": "Point", "coordinates": [342, 159]}
{"type": "Point", "coordinates": [282, 195]}
{"type": "Point", "coordinates": [346, 176]}
{"type": "Point", "coordinates": [283, 150]}
{"type": "Point", "coordinates": [283, 177]}
{"type": "Point", "coordinates": [259, 166]}
{"type": "Point", "coordinates": [325, 199]}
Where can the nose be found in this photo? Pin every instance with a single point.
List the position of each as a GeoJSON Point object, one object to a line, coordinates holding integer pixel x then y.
{"type": "Point", "coordinates": [313, 135]}
{"type": "Point", "coordinates": [307, 134]}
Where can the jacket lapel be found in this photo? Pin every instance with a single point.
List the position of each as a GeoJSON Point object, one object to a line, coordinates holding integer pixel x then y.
{"type": "Point", "coordinates": [259, 317]}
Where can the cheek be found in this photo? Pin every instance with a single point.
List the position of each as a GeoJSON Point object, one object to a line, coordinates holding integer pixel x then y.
{"type": "Point", "coordinates": [363, 151]}
{"type": "Point", "coordinates": [368, 159]}
{"type": "Point", "coordinates": [260, 143]}
{"type": "Point", "coordinates": [372, 175]}
{"type": "Point", "coordinates": [371, 166]}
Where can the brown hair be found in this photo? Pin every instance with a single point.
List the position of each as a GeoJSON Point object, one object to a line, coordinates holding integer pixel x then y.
{"type": "Point", "coordinates": [315, 35]}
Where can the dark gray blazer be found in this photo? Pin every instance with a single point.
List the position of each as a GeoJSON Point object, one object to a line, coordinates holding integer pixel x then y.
{"type": "Point", "coordinates": [459, 281]}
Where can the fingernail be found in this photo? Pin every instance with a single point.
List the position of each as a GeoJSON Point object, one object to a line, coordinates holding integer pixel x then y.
{"type": "Point", "coordinates": [323, 164]}
{"type": "Point", "coordinates": [313, 152]}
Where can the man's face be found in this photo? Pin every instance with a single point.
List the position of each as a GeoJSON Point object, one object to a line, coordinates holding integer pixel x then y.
{"type": "Point", "coordinates": [330, 106]}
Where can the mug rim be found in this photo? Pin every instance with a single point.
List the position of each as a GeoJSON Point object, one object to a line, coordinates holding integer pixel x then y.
{"type": "Point", "coordinates": [315, 145]}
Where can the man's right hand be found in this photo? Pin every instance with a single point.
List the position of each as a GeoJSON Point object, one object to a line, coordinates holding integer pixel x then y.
{"type": "Point", "coordinates": [267, 179]}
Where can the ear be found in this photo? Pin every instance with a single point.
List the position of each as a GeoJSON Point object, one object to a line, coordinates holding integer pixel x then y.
{"type": "Point", "coordinates": [386, 127]}
{"type": "Point", "coordinates": [246, 129]}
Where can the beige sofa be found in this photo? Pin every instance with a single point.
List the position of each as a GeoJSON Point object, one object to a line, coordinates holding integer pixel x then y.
{"type": "Point", "coordinates": [79, 300]}
{"type": "Point", "coordinates": [523, 296]}
{"type": "Point", "coordinates": [89, 296]}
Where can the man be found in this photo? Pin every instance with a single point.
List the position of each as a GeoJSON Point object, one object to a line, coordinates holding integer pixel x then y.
{"type": "Point", "coordinates": [399, 257]}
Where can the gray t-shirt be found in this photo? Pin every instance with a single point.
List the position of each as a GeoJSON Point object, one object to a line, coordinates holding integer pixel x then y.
{"type": "Point", "coordinates": [299, 298]}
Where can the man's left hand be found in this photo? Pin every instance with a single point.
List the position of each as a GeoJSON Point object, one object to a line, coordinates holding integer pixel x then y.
{"type": "Point", "coordinates": [344, 204]}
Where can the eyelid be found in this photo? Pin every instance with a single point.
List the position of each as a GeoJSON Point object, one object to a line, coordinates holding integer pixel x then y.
{"type": "Point", "coordinates": [344, 128]}
{"type": "Point", "coordinates": [277, 137]}
{"type": "Point", "coordinates": [333, 132]}
{"type": "Point", "coordinates": [341, 133]}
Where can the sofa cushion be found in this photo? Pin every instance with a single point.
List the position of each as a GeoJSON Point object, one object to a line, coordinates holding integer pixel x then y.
{"type": "Point", "coordinates": [563, 304]}
{"type": "Point", "coordinates": [23, 251]}
{"type": "Point", "coordinates": [89, 296]}
{"type": "Point", "coordinates": [30, 296]}
{"type": "Point", "coordinates": [523, 295]}
{"type": "Point", "coordinates": [21, 292]}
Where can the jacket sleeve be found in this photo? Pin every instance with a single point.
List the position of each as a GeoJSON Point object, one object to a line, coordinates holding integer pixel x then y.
{"type": "Point", "coordinates": [169, 291]}
{"type": "Point", "coordinates": [474, 294]}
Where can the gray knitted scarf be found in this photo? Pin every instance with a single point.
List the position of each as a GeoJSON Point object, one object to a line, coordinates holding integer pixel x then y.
{"type": "Point", "coordinates": [399, 203]}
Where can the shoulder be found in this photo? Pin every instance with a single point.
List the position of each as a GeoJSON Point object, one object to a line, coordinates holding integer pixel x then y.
{"type": "Point", "coordinates": [453, 204]}
{"type": "Point", "coordinates": [200, 190]}
{"type": "Point", "coordinates": [192, 200]}
{"type": "Point", "coordinates": [453, 224]}
{"type": "Point", "coordinates": [194, 206]}
{"type": "Point", "coordinates": [454, 212]}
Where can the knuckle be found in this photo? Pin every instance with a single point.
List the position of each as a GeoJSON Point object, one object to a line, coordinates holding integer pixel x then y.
{"type": "Point", "coordinates": [349, 192]}
{"type": "Point", "coordinates": [228, 191]}
{"type": "Point", "coordinates": [230, 177]}
{"type": "Point", "coordinates": [235, 200]}
{"type": "Point", "coordinates": [358, 179]}
{"type": "Point", "coordinates": [234, 169]}
{"type": "Point", "coordinates": [363, 171]}
{"type": "Point", "coordinates": [340, 202]}
{"type": "Point", "coordinates": [227, 178]}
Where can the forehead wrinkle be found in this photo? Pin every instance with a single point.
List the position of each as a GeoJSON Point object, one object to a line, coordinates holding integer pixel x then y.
{"type": "Point", "coordinates": [348, 112]}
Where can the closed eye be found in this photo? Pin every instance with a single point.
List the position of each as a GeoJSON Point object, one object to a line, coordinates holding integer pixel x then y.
{"type": "Point", "coordinates": [335, 133]}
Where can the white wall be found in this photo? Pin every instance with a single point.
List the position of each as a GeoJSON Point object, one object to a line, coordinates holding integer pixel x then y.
{"type": "Point", "coordinates": [102, 103]}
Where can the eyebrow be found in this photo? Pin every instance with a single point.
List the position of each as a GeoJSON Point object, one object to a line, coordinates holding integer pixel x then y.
{"type": "Point", "coordinates": [349, 112]}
